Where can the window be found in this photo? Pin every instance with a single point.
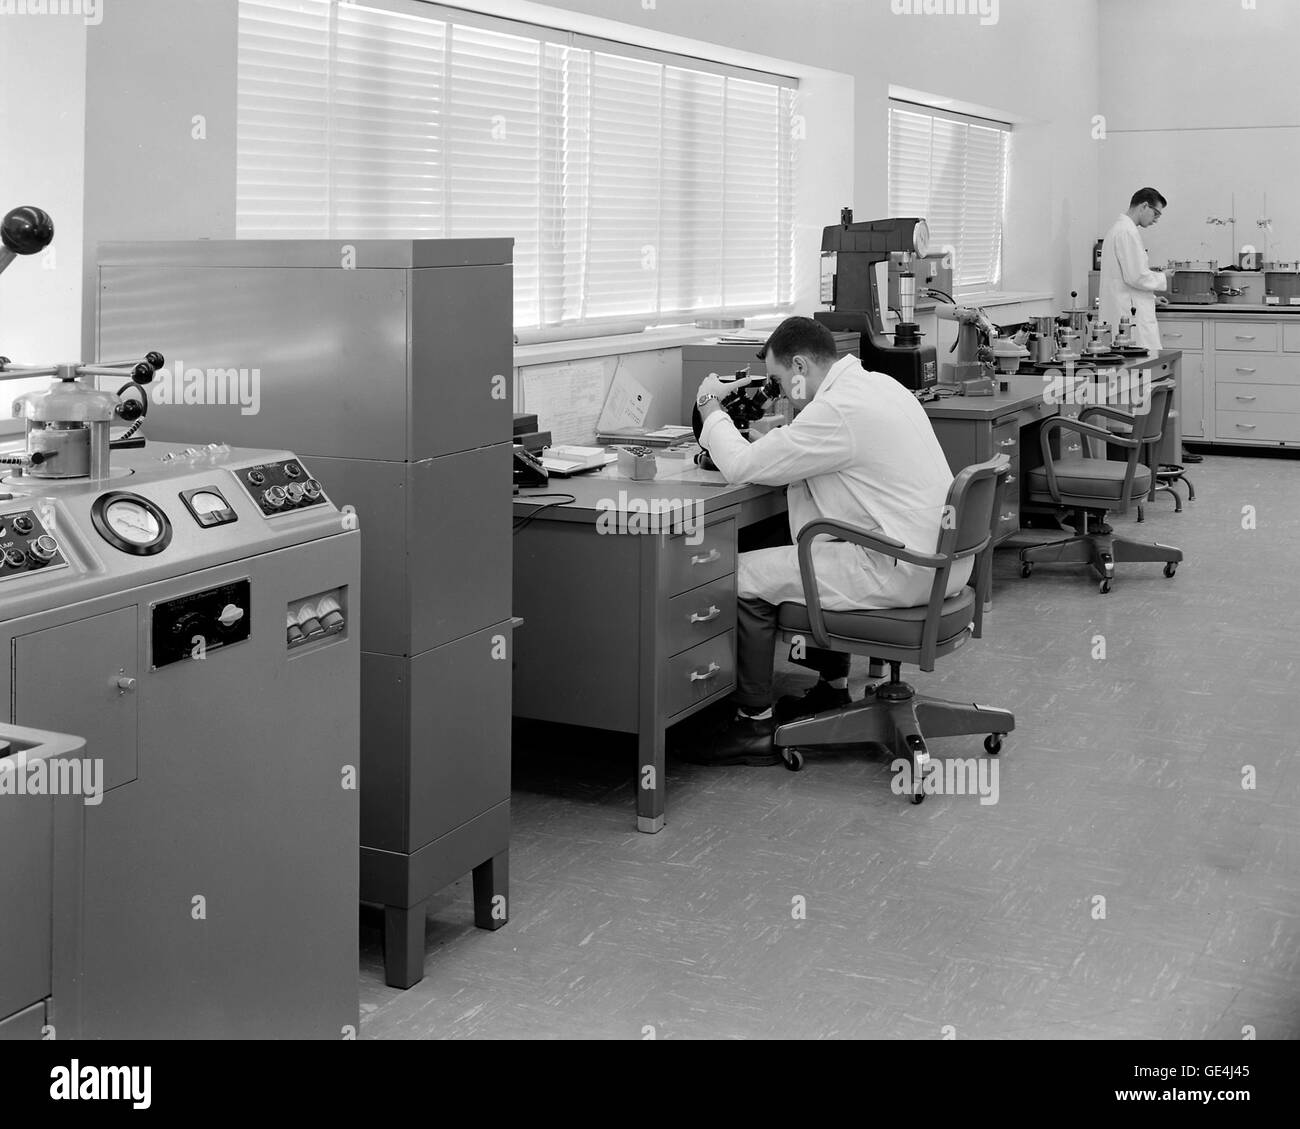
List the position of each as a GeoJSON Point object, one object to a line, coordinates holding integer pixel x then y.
{"type": "Point", "coordinates": [952, 170]}
{"type": "Point", "coordinates": [638, 186]}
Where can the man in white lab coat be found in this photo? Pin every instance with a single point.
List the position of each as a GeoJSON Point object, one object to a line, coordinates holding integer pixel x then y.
{"type": "Point", "coordinates": [861, 451]}
{"type": "Point", "coordinates": [1127, 280]}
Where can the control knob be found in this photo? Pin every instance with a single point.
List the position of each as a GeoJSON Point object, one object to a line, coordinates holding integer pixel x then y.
{"type": "Point", "coordinates": [45, 549]}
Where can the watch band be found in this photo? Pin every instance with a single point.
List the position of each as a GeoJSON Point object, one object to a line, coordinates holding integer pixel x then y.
{"type": "Point", "coordinates": [702, 400]}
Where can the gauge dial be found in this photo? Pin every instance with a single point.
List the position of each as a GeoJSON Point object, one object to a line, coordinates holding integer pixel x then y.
{"type": "Point", "coordinates": [205, 502]}
{"type": "Point", "coordinates": [131, 523]}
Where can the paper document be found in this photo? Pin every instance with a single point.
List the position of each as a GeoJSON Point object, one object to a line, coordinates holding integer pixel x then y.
{"type": "Point", "coordinates": [626, 406]}
{"type": "Point", "coordinates": [566, 399]}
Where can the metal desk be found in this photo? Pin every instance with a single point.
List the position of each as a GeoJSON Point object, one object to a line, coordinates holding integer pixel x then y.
{"type": "Point", "coordinates": [628, 598]}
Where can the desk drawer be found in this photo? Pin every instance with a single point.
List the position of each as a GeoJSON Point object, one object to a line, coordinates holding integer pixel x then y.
{"type": "Point", "coordinates": [701, 672]}
{"type": "Point", "coordinates": [1182, 334]}
{"type": "Point", "coordinates": [686, 567]}
{"type": "Point", "coordinates": [1291, 338]}
{"type": "Point", "coordinates": [1257, 398]}
{"type": "Point", "coordinates": [1251, 336]}
{"type": "Point", "coordinates": [1258, 427]}
{"type": "Point", "coordinates": [1006, 438]}
{"type": "Point", "coordinates": [1244, 368]}
{"type": "Point", "coordinates": [696, 616]}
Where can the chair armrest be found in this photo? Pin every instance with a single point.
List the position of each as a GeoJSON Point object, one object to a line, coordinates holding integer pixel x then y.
{"type": "Point", "coordinates": [1109, 413]}
{"type": "Point", "coordinates": [842, 531]}
{"type": "Point", "coordinates": [1057, 422]}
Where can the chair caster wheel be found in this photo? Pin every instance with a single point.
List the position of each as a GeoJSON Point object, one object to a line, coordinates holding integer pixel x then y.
{"type": "Point", "coordinates": [1026, 570]}
{"type": "Point", "coordinates": [1170, 569]}
{"type": "Point", "coordinates": [993, 744]}
{"type": "Point", "coordinates": [917, 797]}
{"type": "Point", "coordinates": [1104, 588]}
{"type": "Point", "coordinates": [793, 759]}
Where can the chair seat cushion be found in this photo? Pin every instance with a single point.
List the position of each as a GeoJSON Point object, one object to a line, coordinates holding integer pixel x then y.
{"type": "Point", "coordinates": [1090, 478]}
{"type": "Point", "coordinates": [895, 627]}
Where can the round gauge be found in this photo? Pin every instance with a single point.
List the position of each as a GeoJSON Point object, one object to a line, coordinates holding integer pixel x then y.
{"type": "Point", "coordinates": [921, 238]}
{"type": "Point", "coordinates": [131, 523]}
{"type": "Point", "coordinates": [205, 502]}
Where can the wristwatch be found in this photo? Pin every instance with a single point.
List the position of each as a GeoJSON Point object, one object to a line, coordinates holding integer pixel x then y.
{"type": "Point", "coordinates": [700, 401]}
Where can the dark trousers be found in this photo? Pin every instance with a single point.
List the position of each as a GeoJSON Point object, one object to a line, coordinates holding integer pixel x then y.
{"type": "Point", "coordinates": [756, 637]}
{"type": "Point", "coordinates": [756, 632]}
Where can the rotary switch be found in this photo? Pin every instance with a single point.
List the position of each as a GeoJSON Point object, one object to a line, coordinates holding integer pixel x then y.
{"type": "Point", "coordinates": [44, 549]}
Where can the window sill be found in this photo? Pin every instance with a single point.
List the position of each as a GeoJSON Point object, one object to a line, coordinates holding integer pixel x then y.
{"type": "Point", "coordinates": [669, 337]}
{"type": "Point", "coordinates": [1005, 297]}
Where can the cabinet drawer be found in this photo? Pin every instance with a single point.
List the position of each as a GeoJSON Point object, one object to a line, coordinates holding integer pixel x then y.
{"type": "Point", "coordinates": [1251, 336]}
{"type": "Point", "coordinates": [1291, 338]}
{"type": "Point", "coordinates": [1246, 368]}
{"type": "Point", "coordinates": [1182, 334]}
{"type": "Point", "coordinates": [1257, 398]}
{"type": "Point", "coordinates": [686, 567]}
{"type": "Point", "coordinates": [696, 616]}
{"type": "Point", "coordinates": [701, 672]}
{"type": "Point", "coordinates": [1006, 437]}
{"type": "Point", "coordinates": [1258, 427]}
{"type": "Point", "coordinates": [1008, 518]}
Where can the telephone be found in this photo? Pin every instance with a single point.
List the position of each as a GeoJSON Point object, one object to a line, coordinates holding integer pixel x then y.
{"type": "Point", "coordinates": [528, 471]}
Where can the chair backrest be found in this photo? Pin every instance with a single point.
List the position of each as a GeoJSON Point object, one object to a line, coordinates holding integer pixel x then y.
{"type": "Point", "coordinates": [1149, 427]}
{"type": "Point", "coordinates": [969, 516]}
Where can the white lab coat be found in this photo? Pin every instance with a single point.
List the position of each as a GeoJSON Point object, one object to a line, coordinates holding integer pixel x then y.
{"type": "Point", "coordinates": [862, 452]}
{"type": "Point", "coordinates": [1127, 280]}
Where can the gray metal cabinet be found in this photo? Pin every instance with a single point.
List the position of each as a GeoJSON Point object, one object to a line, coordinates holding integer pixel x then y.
{"type": "Point", "coordinates": [89, 655]}
{"type": "Point", "coordinates": [387, 366]}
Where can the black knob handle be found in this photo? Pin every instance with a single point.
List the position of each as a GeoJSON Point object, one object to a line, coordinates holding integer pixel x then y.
{"type": "Point", "coordinates": [26, 230]}
{"type": "Point", "coordinates": [156, 360]}
{"type": "Point", "coordinates": [143, 373]}
{"type": "Point", "coordinates": [130, 410]}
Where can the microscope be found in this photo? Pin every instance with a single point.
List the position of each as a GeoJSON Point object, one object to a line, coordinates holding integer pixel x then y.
{"type": "Point", "coordinates": [851, 253]}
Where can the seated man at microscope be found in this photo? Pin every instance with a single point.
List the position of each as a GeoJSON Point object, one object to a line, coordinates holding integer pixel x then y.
{"type": "Point", "coordinates": [861, 450]}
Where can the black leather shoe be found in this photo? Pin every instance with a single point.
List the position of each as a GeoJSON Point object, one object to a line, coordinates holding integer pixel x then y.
{"type": "Point", "coordinates": [744, 742]}
{"type": "Point", "coordinates": [1190, 457]}
{"type": "Point", "coordinates": [819, 699]}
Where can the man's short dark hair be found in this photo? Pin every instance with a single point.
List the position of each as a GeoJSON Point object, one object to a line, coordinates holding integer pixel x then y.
{"type": "Point", "coordinates": [800, 336]}
{"type": "Point", "coordinates": [1148, 196]}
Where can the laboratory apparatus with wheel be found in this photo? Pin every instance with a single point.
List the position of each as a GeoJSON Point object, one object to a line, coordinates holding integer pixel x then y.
{"type": "Point", "coordinates": [189, 612]}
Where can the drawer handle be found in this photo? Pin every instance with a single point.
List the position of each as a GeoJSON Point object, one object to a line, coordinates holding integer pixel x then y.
{"type": "Point", "coordinates": [1247, 426]}
{"type": "Point", "coordinates": [1173, 334]}
{"type": "Point", "coordinates": [713, 555]}
{"type": "Point", "coordinates": [1247, 370]}
{"type": "Point", "coordinates": [1247, 399]}
{"type": "Point", "coordinates": [1008, 443]}
{"type": "Point", "coordinates": [1245, 337]}
{"type": "Point", "coordinates": [1010, 479]}
{"type": "Point", "coordinates": [1010, 516]}
{"type": "Point", "coordinates": [712, 614]}
{"type": "Point", "coordinates": [712, 672]}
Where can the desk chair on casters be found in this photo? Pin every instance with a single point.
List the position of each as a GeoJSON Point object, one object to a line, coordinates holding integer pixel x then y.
{"type": "Point", "coordinates": [893, 714]}
{"type": "Point", "coordinates": [1094, 487]}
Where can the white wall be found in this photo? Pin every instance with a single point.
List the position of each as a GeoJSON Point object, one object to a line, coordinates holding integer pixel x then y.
{"type": "Point", "coordinates": [42, 162]}
{"type": "Point", "coordinates": [1201, 102]}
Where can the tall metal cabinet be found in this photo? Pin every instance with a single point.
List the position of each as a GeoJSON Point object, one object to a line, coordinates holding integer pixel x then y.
{"type": "Point", "coordinates": [386, 364]}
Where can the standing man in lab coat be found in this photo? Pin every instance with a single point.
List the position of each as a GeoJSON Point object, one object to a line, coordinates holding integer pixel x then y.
{"type": "Point", "coordinates": [1127, 280]}
{"type": "Point", "coordinates": [861, 450]}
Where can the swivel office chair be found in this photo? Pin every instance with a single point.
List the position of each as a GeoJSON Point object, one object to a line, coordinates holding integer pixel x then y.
{"type": "Point", "coordinates": [892, 714]}
{"type": "Point", "coordinates": [1165, 476]}
{"type": "Point", "coordinates": [1094, 487]}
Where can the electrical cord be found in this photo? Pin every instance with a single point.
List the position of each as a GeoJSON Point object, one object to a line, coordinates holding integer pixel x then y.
{"type": "Point", "coordinates": [564, 500]}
